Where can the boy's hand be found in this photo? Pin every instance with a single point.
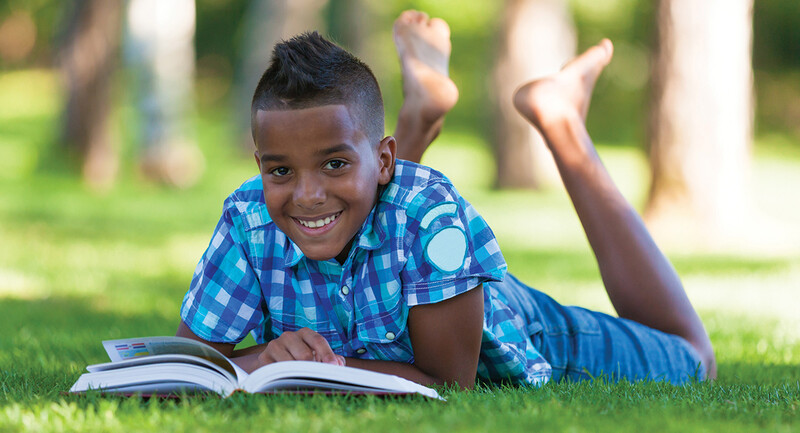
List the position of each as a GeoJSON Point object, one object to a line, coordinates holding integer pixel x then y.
{"type": "Point", "coordinates": [301, 345]}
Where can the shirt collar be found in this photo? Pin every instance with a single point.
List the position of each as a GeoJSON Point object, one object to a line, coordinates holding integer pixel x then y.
{"type": "Point", "coordinates": [372, 233]}
{"type": "Point", "coordinates": [292, 252]}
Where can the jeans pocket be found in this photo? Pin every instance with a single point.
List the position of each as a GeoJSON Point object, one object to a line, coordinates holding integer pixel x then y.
{"type": "Point", "coordinates": [535, 330]}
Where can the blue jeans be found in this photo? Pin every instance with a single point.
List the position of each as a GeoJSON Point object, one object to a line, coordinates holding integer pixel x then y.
{"type": "Point", "coordinates": [582, 344]}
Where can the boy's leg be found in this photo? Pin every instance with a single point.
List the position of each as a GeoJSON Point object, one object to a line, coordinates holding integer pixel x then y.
{"type": "Point", "coordinates": [423, 45]}
{"type": "Point", "coordinates": [640, 281]}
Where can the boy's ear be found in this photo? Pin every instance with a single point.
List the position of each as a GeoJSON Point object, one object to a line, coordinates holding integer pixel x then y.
{"type": "Point", "coordinates": [387, 149]}
{"type": "Point", "coordinates": [258, 160]}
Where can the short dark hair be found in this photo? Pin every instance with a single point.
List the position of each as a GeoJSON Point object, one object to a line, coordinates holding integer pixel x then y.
{"type": "Point", "coordinates": [310, 71]}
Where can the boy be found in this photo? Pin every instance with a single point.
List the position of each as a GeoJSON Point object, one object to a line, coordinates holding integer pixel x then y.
{"type": "Point", "coordinates": [342, 253]}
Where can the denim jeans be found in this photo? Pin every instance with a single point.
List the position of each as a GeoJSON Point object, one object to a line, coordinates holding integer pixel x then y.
{"type": "Point", "coordinates": [581, 344]}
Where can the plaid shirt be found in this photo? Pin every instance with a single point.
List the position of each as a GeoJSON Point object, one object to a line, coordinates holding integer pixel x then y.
{"type": "Point", "coordinates": [421, 244]}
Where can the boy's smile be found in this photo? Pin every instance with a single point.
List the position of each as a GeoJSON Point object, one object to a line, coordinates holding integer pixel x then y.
{"type": "Point", "coordinates": [320, 174]}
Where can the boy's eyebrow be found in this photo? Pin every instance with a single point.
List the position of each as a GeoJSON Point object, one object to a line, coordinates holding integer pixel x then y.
{"type": "Point", "coordinates": [272, 158]}
{"type": "Point", "coordinates": [343, 147]}
{"type": "Point", "coordinates": [335, 148]}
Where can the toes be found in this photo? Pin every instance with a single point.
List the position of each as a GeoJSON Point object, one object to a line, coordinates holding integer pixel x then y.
{"type": "Point", "coordinates": [593, 60]}
{"type": "Point", "coordinates": [600, 53]}
{"type": "Point", "coordinates": [608, 46]}
{"type": "Point", "coordinates": [406, 16]}
{"type": "Point", "coordinates": [412, 17]}
{"type": "Point", "coordinates": [439, 25]}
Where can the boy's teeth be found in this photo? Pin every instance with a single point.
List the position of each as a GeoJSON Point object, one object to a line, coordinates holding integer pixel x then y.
{"type": "Point", "coordinates": [318, 223]}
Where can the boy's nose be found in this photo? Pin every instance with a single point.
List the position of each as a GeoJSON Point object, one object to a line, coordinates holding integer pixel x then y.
{"type": "Point", "coordinates": [309, 193]}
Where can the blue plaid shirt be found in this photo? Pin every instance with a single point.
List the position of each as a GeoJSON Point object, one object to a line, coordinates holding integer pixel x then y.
{"type": "Point", "coordinates": [421, 244]}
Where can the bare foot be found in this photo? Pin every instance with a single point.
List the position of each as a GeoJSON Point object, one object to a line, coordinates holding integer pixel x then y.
{"type": "Point", "coordinates": [565, 93]}
{"type": "Point", "coordinates": [423, 45]}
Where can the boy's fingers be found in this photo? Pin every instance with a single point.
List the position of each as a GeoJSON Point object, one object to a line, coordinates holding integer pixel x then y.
{"type": "Point", "coordinates": [297, 347]}
{"type": "Point", "coordinates": [322, 351]}
{"type": "Point", "coordinates": [300, 351]}
{"type": "Point", "coordinates": [302, 345]}
{"type": "Point", "coordinates": [288, 347]}
{"type": "Point", "coordinates": [274, 352]}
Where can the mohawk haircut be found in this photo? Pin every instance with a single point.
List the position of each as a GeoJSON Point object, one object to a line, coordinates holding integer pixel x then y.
{"type": "Point", "coordinates": [310, 71]}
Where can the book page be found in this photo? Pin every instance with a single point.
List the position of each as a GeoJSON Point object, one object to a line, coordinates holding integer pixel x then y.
{"type": "Point", "coordinates": [150, 376]}
{"type": "Point", "coordinates": [301, 374]}
{"type": "Point", "coordinates": [157, 359]}
{"type": "Point", "coordinates": [128, 348]}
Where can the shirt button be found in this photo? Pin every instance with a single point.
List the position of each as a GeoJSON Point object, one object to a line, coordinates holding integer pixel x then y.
{"type": "Point", "coordinates": [390, 335]}
{"type": "Point", "coordinates": [345, 290]}
{"type": "Point", "coordinates": [361, 351]}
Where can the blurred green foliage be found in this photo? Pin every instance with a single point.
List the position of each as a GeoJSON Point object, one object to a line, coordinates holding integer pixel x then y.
{"type": "Point", "coordinates": [622, 92]}
{"type": "Point", "coordinates": [776, 61]}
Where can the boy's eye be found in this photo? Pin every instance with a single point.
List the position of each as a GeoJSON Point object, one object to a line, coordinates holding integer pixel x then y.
{"type": "Point", "coordinates": [334, 164]}
{"type": "Point", "coordinates": [280, 171]}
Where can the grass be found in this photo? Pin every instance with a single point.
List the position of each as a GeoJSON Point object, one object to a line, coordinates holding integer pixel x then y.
{"type": "Point", "coordinates": [77, 267]}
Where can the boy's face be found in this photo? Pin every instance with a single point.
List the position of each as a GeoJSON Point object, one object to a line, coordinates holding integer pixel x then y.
{"type": "Point", "coordinates": [321, 175]}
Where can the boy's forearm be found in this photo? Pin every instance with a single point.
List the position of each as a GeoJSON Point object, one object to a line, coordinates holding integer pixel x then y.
{"type": "Point", "coordinates": [247, 359]}
{"type": "Point", "coordinates": [406, 371]}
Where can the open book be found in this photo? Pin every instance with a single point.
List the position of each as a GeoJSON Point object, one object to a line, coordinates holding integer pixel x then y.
{"type": "Point", "coordinates": [166, 365]}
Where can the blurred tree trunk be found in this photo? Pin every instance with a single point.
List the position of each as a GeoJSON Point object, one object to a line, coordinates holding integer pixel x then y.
{"type": "Point", "coordinates": [159, 50]}
{"type": "Point", "coordinates": [537, 38]}
{"type": "Point", "coordinates": [87, 57]}
{"type": "Point", "coordinates": [266, 22]}
{"type": "Point", "coordinates": [701, 117]}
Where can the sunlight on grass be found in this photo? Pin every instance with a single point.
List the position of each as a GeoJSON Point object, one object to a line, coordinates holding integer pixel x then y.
{"type": "Point", "coordinates": [18, 285]}
{"type": "Point", "coordinates": [34, 93]}
{"type": "Point", "coordinates": [17, 158]}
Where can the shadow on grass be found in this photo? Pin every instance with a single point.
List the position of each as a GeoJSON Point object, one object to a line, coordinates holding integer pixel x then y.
{"type": "Point", "coordinates": [64, 209]}
{"type": "Point", "coordinates": [47, 343]}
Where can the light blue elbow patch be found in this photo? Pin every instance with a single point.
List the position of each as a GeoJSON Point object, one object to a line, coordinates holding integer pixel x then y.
{"type": "Point", "coordinates": [447, 249]}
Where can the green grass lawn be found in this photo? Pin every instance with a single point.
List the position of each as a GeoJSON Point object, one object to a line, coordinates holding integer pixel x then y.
{"type": "Point", "coordinates": [78, 267]}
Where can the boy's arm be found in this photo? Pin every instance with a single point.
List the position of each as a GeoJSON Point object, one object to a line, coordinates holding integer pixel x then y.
{"type": "Point", "coordinates": [246, 358]}
{"type": "Point", "coordinates": [446, 338]}
{"type": "Point", "coordinates": [223, 348]}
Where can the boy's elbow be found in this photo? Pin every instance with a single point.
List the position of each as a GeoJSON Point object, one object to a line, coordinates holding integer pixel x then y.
{"type": "Point", "coordinates": [186, 332]}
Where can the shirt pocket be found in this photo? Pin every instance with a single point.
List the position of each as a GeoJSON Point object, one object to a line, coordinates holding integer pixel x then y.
{"type": "Point", "coordinates": [290, 323]}
{"type": "Point", "coordinates": [385, 335]}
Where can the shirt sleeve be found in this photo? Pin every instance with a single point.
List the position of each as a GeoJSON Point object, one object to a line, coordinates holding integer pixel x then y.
{"type": "Point", "coordinates": [450, 248]}
{"type": "Point", "coordinates": [224, 300]}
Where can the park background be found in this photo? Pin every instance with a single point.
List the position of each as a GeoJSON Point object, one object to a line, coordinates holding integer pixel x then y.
{"type": "Point", "coordinates": [83, 261]}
